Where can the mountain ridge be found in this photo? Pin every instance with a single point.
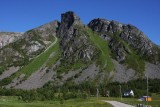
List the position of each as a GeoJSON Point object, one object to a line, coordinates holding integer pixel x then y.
{"type": "Point", "coordinates": [102, 50]}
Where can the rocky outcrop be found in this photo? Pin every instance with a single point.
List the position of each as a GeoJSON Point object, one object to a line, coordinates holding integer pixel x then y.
{"type": "Point", "coordinates": [122, 32]}
{"type": "Point", "coordinates": [8, 37]}
{"type": "Point", "coordinates": [74, 43]}
{"type": "Point", "coordinates": [137, 39]}
{"type": "Point", "coordinates": [105, 26]}
{"type": "Point", "coordinates": [48, 30]}
{"type": "Point", "coordinates": [22, 47]}
{"type": "Point", "coordinates": [34, 47]}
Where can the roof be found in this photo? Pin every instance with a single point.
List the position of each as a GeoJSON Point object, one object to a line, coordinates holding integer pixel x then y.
{"type": "Point", "coordinates": [128, 91]}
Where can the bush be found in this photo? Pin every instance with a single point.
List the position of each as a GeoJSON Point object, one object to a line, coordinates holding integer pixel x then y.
{"type": "Point", "coordinates": [2, 69]}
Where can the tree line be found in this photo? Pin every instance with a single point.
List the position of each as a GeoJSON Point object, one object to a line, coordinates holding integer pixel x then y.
{"type": "Point", "coordinates": [84, 90]}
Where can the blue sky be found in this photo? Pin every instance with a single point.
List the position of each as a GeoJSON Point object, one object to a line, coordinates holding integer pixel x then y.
{"type": "Point", "coordinates": [22, 15]}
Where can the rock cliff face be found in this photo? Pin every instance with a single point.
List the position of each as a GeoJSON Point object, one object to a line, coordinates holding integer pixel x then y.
{"type": "Point", "coordinates": [8, 37]}
{"type": "Point", "coordinates": [116, 32]}
{"type": "Point", "coordinates": [39, 38]}
{"type": "Point", "coordinates": [74, 43]}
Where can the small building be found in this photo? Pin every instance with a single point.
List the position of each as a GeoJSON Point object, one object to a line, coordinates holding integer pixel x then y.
{"type": "Point", "coordinates": [145, 98]}
{"type": "Point", "coordinates": [128, 93]}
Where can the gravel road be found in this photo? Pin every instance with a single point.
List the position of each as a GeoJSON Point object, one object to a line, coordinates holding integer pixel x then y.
{"type": "Point", "coordinates": [118, 104]}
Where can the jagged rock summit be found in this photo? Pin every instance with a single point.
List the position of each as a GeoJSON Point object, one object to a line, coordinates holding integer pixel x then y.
{"type": "Point", "coordinates": [74, 44]}
{"type": "Point", "coordinates": [71, 52]}
{"type": "Point", "coordinates": [129, 33]}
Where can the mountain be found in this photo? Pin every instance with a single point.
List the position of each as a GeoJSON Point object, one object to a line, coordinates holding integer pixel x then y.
{"type": "Point", "coordinates": [71, 52]}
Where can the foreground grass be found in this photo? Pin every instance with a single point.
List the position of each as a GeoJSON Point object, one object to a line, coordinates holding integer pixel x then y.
{"type": "Point", "coordinates": [91, 102]}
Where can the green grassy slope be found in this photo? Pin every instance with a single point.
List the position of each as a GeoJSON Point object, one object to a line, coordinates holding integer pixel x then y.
{"type": "Point", "coordinates": [104, 58]}
{"type": "Point", "coordinates": [36, 63]}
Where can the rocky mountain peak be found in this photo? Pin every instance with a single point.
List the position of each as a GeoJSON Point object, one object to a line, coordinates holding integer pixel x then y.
{"type": "Point", "coordinates": [69, 18]}
{"type": "Point", "coordinates": [49, 26]}
{"type": "Point", "coordinates": [123, 32]}
{"type": "Point", "coordinates": [68, 21]}
{"type": "Point", "coordinates": [103, 25]}
{"type": "Point", "coordinates": [73, 41]}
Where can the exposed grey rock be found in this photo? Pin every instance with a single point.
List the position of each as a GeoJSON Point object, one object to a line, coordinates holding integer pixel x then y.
{"type": "Point", "coordinates": [48, 30]}
{"type": "Point", "coordinates": [137, 39]}
{"type": "Point", "coordinates": [128, 33]}
{"type": "Point", "coordinates": [22, 47]}
{"type": "Point", "coordinates": [9, 72]}
{"type": "Point", "coordinates": [68, 19]}
{"type": "Point", "coordinates": [16, 81]}
{"type": "Point", "coordinates": [122, 73]}
{"type": "Point", "coordinates": [8, 37]}
{"type": "Point", "coordinates": [105, 26]}
{"type": "Point", "coordinates": [118, 49]}
{"type": "Point", "coordinates": [10, 56]}
{"type": "Point", "coordinates": [152, 70]}
{"type": "Point", "coordinates": [99, 25]}
{"type": "Point", "coordinates": [36, 80]}
{"type": "Point", "coordinates": [34, 47]}
{"type": "Point", "coordinates": [77, 76]}
{"type": "Point", "coordinates": [90, 73]}
{"type": "Point", "coordinates": [74, 42]}
{"type": "Point", "coordinates": [43, 34]}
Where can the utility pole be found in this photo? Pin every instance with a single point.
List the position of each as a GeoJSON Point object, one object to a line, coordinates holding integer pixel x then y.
{"type": "Point", "coordinates": [120, 92]}
{"type": "Point", "coordinates": [97, 93]}
{"type": "Point", "coordinates": [147, 89]}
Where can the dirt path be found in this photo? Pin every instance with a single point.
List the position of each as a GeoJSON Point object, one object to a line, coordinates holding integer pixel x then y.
{"type": "Point", "coordinates": [49, 46]}
{"type": "Point", "coordinates": [118, 104]}
{"type": "Point", "coordinates": [52, 43]}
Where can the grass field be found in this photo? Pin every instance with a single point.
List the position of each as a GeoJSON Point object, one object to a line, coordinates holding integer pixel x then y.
{"type": "Point", "coordinates": [91, 102]}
